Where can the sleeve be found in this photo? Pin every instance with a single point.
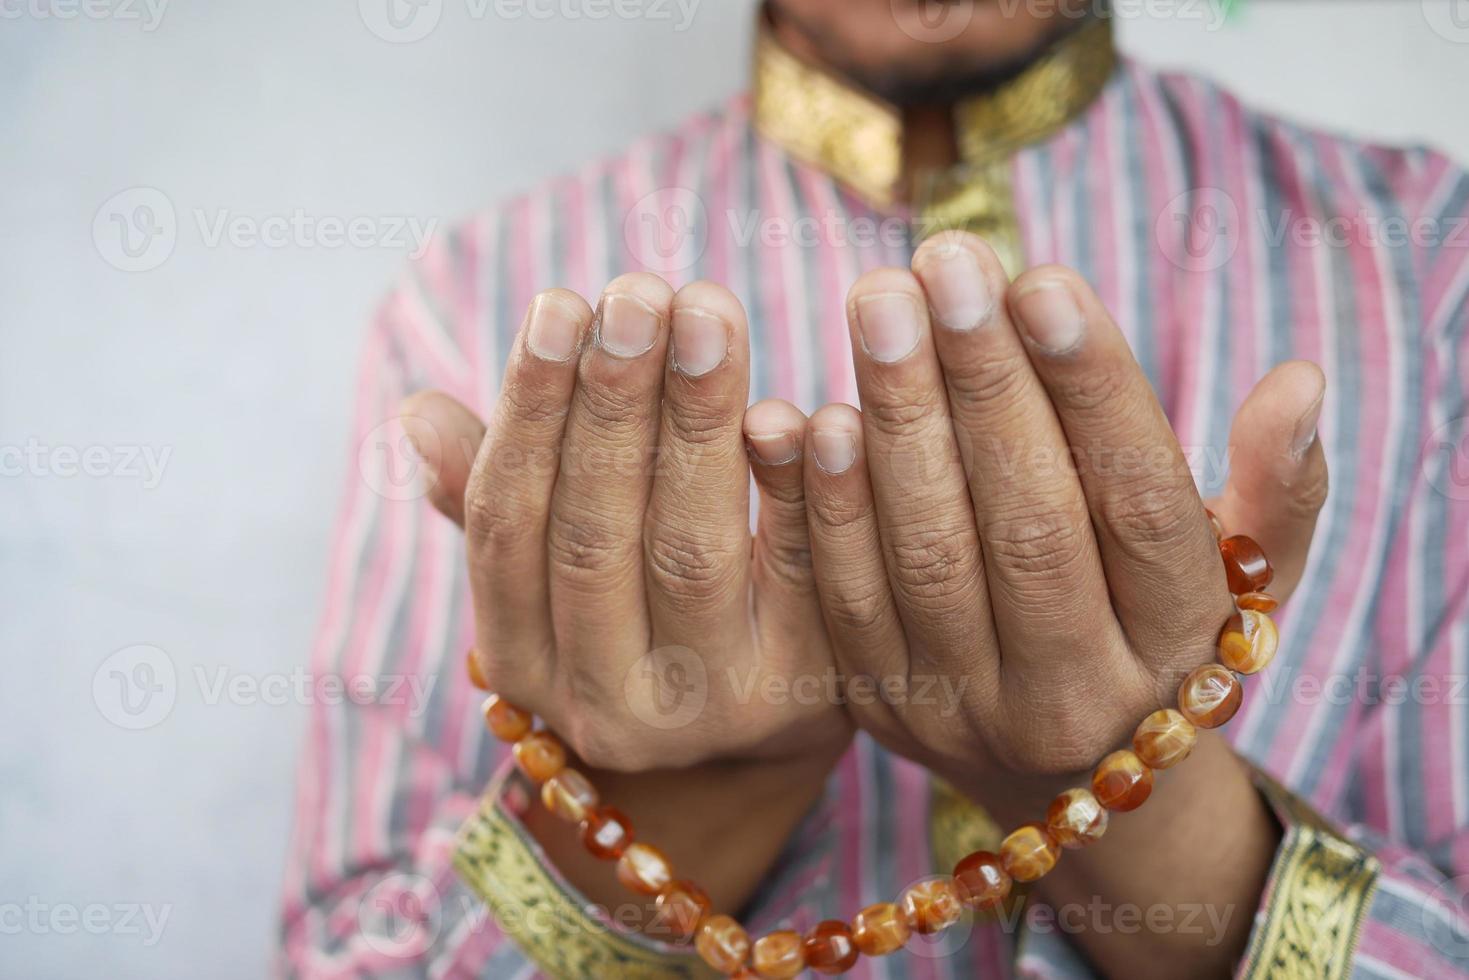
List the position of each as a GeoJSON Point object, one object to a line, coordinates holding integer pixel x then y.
{"type": "Point", "coordinates": [395, 755]}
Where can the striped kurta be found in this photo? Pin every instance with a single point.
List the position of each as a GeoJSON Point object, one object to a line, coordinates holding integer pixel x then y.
{"type": "Point", "coordinates": [1223, 240]}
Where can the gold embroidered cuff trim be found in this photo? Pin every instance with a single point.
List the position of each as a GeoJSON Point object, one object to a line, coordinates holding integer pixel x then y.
{"type": "Point", "coordinates": [1318, 894]}
{"type": "Point", "coordinates": [497, 859]}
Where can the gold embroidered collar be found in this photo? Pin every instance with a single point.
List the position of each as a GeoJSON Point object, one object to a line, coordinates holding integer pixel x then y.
{"type": "Point", "coordinates": [858, 138]}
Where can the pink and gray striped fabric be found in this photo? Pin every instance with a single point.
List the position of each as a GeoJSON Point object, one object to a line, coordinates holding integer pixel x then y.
{"type": "Point", "coordinates": [1224, 242]}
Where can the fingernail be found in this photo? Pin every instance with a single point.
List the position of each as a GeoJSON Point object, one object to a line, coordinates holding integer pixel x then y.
{"type": "Point", "coordinates": [700, 342]}
{"type": "Point", "coordinates": [888, 323]}
{"type": "Point", "coordinates": [835, 450]}
{"type": "Point", "coordinates": [957, 289]}
{"type": "Point", "coordinates": [1049, 316]}
{"type": "Point", "coordinates": [1305, 433]}
{"type": "Point", "coordinates": [629, 326]}
{"type": "Point", "coordinates": [553, 331]}
{"type": "Point", "coordinates": [774, 448]}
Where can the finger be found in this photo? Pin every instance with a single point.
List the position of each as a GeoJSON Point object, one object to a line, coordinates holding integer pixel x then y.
{"type": "Point", "coordinates": [595, 539]}
{"type": "Point", "coordinates": [1277, 472]}
{"type": "Point", "coordinates": [697, 532]}
{"type": "Point", "coordinates": [1046, 585]}
{"type": "Point", "coordinates": [507, 496]}
{"type": "Point", "coordinates": [446, 435]}
{"type": "Point", "coordinates": [851, 572]}
{"type": "Point", "coordinates": [923, 508]}
{"type": "Point", "coordinates": [785, 584]}
{"type": "Point", "coordinates": [1160, 558]}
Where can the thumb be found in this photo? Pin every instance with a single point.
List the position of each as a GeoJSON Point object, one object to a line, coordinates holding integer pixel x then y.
{"type": "Point", "coordinates": [1277, 469]}
{"type": "Point", "coordinates": [446, 436]}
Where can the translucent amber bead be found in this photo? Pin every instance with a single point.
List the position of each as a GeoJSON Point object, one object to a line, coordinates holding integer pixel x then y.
{"type": "Point", "coordinates": [476, 676]}
{"type": "Point", "coordinates": [1215, 524]}
{"type": "Point", "coordinates": [880, 929]}
{"type": "Point", "coordinates": [507, 722]}
{"type": "Point", "coordinates": [931, 905]}
{"type": "Point", "coordinates": [1210, 696]}
{"type": "Point", "coordinates": [1075, 819]}
{"type": "Point", "coordinates": [606, 832]}
{"type": "Point", "coordinates": [643, 869]}
{"type": "Point", "coordinates": [778, 955]}
{"type": "Point", "coordinates": [680, 907]}
{"type": "Point", "coordinates": [1164, 738]}
{"type": "Point", "coordinates": [829, 948]}
{"type": "Point", "coordinates": [540, 755]}
{"type": "Point", "coordinates": [1029, 852]}
{"type": "Point", "coordinates": [982, 880]}
{"type": "Point", "coordinates": [1122, 781]}
{"type": "Point", "coordinates": [1245, 565]}
{"type": "Point", "coordinates": [723, 943]}
{"type": "Point", "coordinates": [569, 795]}
{"type": "Point", "coordinates": [1248, 642]}
{"type": "Point", "coordinates": [1259, 601]}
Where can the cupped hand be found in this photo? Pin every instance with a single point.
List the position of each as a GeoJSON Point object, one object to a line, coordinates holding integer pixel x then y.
{"type": "Point", "coordinates": [1011, 529]}
{"type": "Point", "coordinates": [617, 590]}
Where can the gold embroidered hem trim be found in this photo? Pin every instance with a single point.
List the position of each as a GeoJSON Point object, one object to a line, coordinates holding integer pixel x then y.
{"type": "Point", "coordinates": [1320, 888]}
{"type": "Point", "coordinates": [565, 939]}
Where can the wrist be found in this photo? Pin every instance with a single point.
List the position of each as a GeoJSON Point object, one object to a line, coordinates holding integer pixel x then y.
{"type": "Point", "coordinates": [723, 822]}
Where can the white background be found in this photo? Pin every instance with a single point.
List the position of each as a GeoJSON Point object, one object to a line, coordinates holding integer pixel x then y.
{"type": "Point", "coordinates": [237, 361]}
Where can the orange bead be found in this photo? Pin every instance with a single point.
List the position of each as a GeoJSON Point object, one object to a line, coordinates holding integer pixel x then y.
{"type": "Point", "coordinates": [1245, 565]}
{"type": "Point", "coordinates": [606, 832]}
{"type": "Point", "coordinates": [1248, 642]}
{"type": "Point", "coordinates": [1210, 696]}
{"type": "Point", "coordinates": [880, 929]}
{"type": "Point", "coordinates": [1075, 819]}
{"type": "Point", "coordinates": [778, 955]}
{"type": "Point", "coordinates": [723, 943]}
{"type": "Point", "coordinates": [1122, 781]}
{"type": "Point", "coordinates": [507, 722]}
{"type": "Point", "coordinates": [540, 755]}
{"type": "Point", "coordinates": [1029, 852]}
{"type": "Point", "coordinates": [829, 948]}
{"type": "Point", "coordinates": [1164, 738]}
{"type": "Point", "coordinates": [931, 905]}
{"type": "Point", "coordinates": [643, 869]}
{"type": "Point", "coordinates": [569, 795]}
{"type": "Point", "coordinates": [982, 880]}
{"type": "Point", "coordinates": [1259, 601]}
{"type": "Point", "coordinates": [680, 907]}
{"type": "Point", "coordinates": [1215, 524]}
{"type": "Point", "coordinates": [476, 675]}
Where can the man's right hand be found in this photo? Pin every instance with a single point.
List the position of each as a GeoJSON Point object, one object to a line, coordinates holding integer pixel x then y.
{"type": "Point", "coordinates": [618, 593]}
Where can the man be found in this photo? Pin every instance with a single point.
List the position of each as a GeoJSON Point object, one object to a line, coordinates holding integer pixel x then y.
{"type": "Point", "coordinates": [1011, 519]}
